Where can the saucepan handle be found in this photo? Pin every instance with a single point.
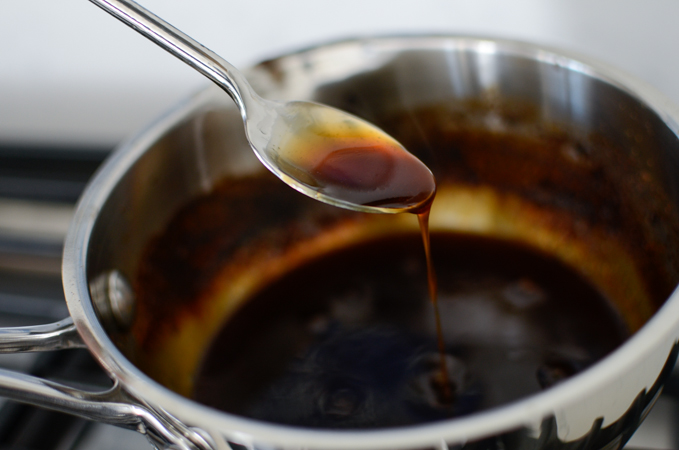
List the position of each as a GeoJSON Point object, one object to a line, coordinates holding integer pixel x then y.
{"type": "Point", "coordinates": [39, 338]}
{"type": "Point", "coordinates": [113, 406]}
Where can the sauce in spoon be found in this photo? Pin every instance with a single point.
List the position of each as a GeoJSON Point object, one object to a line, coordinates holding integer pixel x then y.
{"type": "Point", "coordinates": [347, 162]}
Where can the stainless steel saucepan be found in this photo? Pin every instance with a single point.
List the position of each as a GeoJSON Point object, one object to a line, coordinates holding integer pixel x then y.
{"type": "Point", "coordinates": [618, 225]}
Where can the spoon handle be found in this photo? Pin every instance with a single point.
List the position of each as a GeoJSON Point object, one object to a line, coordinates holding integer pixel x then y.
{"type": "Point", "coordinates": [183, 47]}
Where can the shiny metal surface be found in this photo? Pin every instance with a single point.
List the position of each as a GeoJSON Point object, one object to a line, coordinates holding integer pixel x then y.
{"type": "Point", "coordinates": [268, 124]}
{"type": "Point", "coordinates": [40, 338]}
{"type": "Point", "coordinates": [183, 154]}
{"type": "Point", "coordinates": [113, 406]}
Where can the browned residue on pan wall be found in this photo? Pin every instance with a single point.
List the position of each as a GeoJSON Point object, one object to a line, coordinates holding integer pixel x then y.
{"type": "Point", "coordinates": [581, 183]}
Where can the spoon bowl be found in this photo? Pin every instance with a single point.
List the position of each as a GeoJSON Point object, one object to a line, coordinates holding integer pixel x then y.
{"type": "Point", "coordinates": [320, 151]}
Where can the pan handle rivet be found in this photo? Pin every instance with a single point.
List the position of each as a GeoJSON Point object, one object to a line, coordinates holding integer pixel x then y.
{"type": "Point", "coordinates": [113, 300]}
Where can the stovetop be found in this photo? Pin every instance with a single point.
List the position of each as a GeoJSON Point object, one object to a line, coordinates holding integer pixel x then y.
{"type": "Point", "coordinates": [38, 190]}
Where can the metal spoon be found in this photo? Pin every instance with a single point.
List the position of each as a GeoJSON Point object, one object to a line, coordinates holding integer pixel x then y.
{"type": "Point", "coordinates": [320, 151]}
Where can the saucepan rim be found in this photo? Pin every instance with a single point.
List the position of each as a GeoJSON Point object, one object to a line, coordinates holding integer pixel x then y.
{"type": "Point", "coordinates": [659, 331]}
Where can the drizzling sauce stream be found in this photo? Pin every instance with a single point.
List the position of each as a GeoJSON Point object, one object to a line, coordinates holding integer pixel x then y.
{"type": "Point", "coordinates": [359, 164]}
{"type": "Point", "coordinates": [443, 382]}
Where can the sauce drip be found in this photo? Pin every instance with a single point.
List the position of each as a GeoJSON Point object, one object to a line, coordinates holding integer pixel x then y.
{"type": "Point", "coordinates": [355, 162]}
{"type": "Point", "coordinates": [443, 379]}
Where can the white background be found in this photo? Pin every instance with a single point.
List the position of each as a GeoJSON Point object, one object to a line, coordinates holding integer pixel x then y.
{"type": "Point", "coordinates": [71, 73]}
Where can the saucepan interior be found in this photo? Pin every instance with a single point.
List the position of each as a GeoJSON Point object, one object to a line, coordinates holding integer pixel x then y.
{"type": "Point", "coordinates": [528, 147]}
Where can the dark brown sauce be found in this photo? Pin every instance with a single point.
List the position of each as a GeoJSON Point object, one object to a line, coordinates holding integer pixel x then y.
{"type": "Point", "coordinates": [357, 163]}
{"type": "Point", "coordinates": [359, 350]}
